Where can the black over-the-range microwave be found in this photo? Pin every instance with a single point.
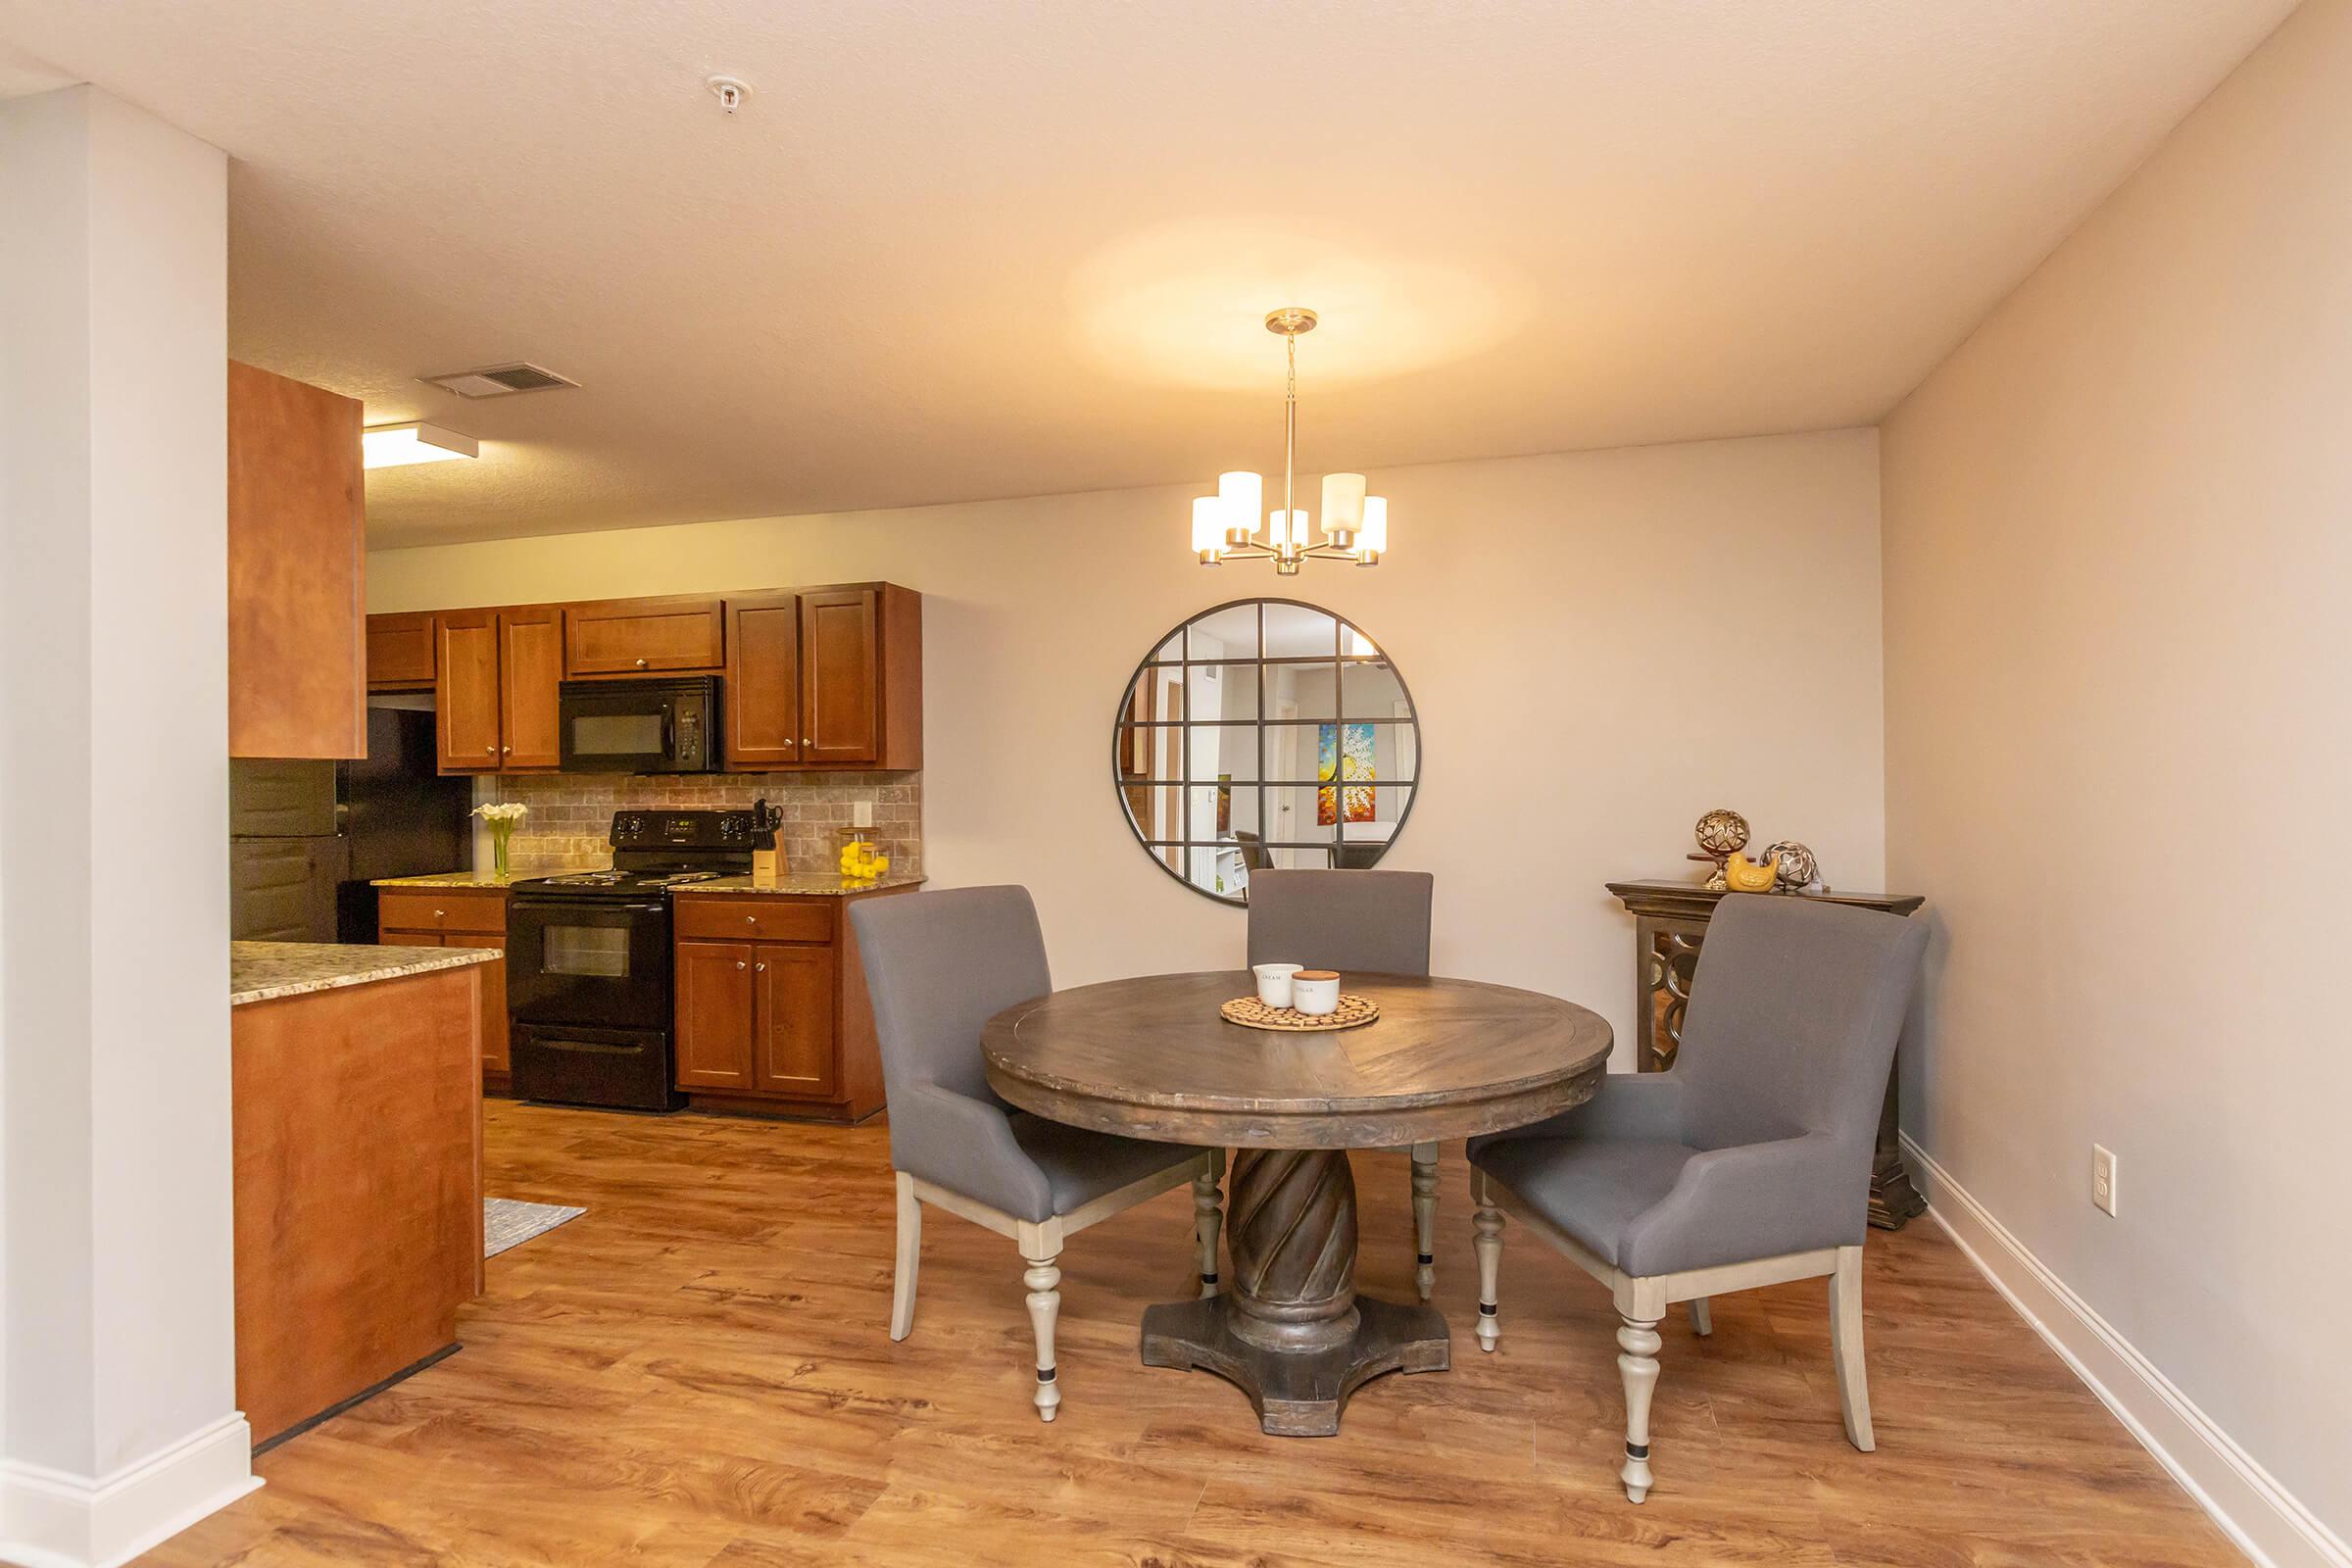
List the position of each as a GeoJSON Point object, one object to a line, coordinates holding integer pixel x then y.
{"type": "Point", "coordinates": [639, 726]}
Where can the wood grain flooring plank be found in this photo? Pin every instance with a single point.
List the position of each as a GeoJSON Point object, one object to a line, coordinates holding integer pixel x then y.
{"type": "Point", "coordinates": [697, 1374]}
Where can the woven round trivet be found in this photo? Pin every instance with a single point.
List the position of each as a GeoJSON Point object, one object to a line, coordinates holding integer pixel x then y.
{"type": "Point", "coordinates": [1251, 1013]}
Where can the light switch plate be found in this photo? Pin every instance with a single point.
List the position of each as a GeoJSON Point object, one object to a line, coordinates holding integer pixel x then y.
{"type": "Point", "coordinates": [2102, 1177]}
{"type": "Point", "coordinates": [861, 814]}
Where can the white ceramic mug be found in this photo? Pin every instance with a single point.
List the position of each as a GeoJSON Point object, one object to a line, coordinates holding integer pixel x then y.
{"type": "Point", "coordinates": [1274, 983]}
{"type": "Point", "coordinates": [1315, 992]}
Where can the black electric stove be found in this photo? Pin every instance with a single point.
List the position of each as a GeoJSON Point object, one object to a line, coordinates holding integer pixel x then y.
{"type": "Point", "coordinates": [589, 958]}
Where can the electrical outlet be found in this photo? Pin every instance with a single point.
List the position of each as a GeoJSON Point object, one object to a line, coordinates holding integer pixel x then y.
{"type": "Point", "coordinates": [861, 814]}
{"type": "Point", "coordinates": [2102, 1177]}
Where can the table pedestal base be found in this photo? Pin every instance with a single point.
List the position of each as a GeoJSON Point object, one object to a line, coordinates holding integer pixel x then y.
{"type": "Point", "coordinates": [1297, 1394]}
{"type": "Point", "coordinates": [1290, 1328]}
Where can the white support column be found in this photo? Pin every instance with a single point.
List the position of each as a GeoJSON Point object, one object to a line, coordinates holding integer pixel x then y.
{"type": "Point", "coordinates": [118, 1418]}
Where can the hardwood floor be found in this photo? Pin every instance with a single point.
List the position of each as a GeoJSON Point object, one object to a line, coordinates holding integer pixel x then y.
{"type": "Point", "coordinates": [697, 1374]}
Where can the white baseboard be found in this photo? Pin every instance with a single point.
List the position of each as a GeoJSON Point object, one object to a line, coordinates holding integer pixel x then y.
{"type": "Point", "coordinates": [2263, 1517]}
{"type": "Point", "coordinates": [50, 1519]}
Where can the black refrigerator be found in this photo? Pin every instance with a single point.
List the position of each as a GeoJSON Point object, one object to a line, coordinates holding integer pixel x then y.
{"type": "Point", "coordinates": [307, 838]}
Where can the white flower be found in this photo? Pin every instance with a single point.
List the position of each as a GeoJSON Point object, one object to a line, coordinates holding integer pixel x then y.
{"type": "Point", "coordinates": [507, 811]}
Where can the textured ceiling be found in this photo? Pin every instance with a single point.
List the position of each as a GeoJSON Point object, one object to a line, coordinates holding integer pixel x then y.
{"type": "Point", "coordinates": [971, 248]}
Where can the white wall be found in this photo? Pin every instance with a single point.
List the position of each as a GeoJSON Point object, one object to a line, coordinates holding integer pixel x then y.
{"type": "Point", "coordinates": [2119, 539]}
{"type": "Point", "coordinates": [119, 1419]}
{"type": "Point", "coordinates": [1602, 647]}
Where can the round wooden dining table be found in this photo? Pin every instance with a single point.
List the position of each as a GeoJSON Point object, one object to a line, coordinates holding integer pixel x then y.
{"type": "Point", "coordinates": [1152, 1057]}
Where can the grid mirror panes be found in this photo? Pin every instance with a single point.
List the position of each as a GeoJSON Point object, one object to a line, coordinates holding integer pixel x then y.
{"type": "Point", "coordinates": [1265, 733]}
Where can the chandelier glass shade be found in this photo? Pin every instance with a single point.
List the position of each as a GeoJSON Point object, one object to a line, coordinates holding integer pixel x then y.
{"type": "Point", "coordinates": [1232, 525]}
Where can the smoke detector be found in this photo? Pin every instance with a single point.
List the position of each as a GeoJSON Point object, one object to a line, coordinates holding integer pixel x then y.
{"type": "Point", "coordinates": [497, 380]}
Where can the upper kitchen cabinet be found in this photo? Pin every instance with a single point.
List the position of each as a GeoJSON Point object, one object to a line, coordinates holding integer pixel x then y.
{"type": "Point", "coordinates": [826, 678]}
{"type": "Point", "coordinates": [644, 637]}
{"type": "Point", "coordinates": [400, 653]}
{"type": "Point", "coordinates": [495, 688]}
{"type": "Point", "coordinates": [297, 646]}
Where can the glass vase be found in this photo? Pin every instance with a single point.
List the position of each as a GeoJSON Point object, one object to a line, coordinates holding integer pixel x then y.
{"type": "Point", "coordinates": [499, 834]}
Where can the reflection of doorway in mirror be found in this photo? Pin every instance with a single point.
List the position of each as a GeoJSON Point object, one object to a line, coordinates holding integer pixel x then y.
{"type": "Point", "coordinates": [1285, 760]}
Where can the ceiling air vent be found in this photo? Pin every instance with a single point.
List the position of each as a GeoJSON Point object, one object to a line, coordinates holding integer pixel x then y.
{"type": "Point", "coordinates": [499, 380]}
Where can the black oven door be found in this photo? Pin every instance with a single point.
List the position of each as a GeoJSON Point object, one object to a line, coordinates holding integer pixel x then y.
{"type": "Point", "coordinates": [640, 726]}
{"type": "Point", "coordinates": [626, 1068]}
{"type": "Point", "coordinates": [599, 963]}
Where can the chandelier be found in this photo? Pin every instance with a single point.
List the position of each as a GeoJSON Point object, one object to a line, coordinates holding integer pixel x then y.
{"type": "Point", "coordinates": [1226, 525]}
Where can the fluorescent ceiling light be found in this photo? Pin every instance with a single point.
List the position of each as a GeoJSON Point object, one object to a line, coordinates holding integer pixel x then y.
{"type": "Point", "coordinates": [393, 446]}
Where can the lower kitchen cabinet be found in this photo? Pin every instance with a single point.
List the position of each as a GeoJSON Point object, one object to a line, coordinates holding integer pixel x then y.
{"type": "Point", "coordinates": [458, 917]}
{"type": "Point", "coordinates": [772, 1012]}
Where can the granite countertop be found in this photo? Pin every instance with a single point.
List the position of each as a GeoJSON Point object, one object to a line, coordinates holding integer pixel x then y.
{"type": "Point", "coordinates": [480, 879]}
{"type": "Point", "coordinates": [258, 971]}
{"type": "Point", "coordinates": [805, 885]}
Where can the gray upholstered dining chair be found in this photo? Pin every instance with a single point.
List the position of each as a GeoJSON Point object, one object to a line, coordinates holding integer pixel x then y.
{"type": "Point", "coordinates": [1358, 923]}
{"type": "Point", "coordinates": [939, 965]}
{"type": "Point", "coordinates": [1747, 1164]}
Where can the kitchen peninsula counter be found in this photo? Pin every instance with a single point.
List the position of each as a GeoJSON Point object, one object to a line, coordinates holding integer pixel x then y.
{"type": "Point", "coordinates": [264, 971]}
{"type": "Point", "coordinates": [355, 1116]}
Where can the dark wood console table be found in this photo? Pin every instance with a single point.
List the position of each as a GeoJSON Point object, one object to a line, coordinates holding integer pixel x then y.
{"type": "Point", "coordinates": [1670, 923]}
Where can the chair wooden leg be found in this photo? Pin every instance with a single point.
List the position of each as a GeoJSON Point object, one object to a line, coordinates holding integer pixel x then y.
{"type": "Point", "coordinates": [1702, 1320]}
{"type": "Point", "coordinates": [1486, 1243]}
{"type": "Point", "coordinates": [1206, 1219]}
{"type": "Point", "coordinates": [909, 1259]}
{"type": "Point", "coordinates": [1043, 1281]}
{"type": "Point", "coordinates": [1638, 1365]}
{"type": "Point", "coordinates": [1845, 1344]}
{"type": "Point", "coordinates": [1425, 1217]}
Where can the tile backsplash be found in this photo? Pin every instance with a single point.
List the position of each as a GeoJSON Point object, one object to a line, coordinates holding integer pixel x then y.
{"type": "Point", "coordinates": [571, 814]}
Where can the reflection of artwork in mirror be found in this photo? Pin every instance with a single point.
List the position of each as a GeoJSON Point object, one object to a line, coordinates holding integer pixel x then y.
{"type": "Point", "coordinates": [1261, 734]}
{"type": "Point", "coordinates": [1344, 751]}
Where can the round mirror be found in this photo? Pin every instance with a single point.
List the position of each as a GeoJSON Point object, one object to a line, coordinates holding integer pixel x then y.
{"type": "Point", "coordinates": [1265, 733]}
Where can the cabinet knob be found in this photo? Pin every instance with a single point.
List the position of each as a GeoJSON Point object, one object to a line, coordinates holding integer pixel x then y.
{"type": "Point", "coordinates": [763, 969]}
{"type": "Point", "coordinates": [492, 750]}
{"type": "Point", "coordinates": [506, 748]}
{"type": "Point", "coordinates": [805, 741]}
{"type": "Point", "coordinates": [641, 663]}
{"type": "Point", "coordinates": [751, 920]}
{"type": "Point", "coordinates": [440, 914]}
{"type": "Point", "coordinates": [738, 963]}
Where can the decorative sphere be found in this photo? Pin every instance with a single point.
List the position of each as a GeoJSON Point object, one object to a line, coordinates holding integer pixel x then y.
{"type": "Point", "coordinates": [1798, 869]}
{"type": "Point", "coordinates": [1722, 832]}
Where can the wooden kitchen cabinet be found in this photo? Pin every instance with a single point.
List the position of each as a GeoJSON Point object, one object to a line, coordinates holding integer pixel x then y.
{"type": "Point", "coordinates": [495, 689]}
{"type": "Point", "coordinates": [792, 1020]}
{"type": "Point", "coordinates": [465, 691]}
{"type": "Point", "coordinates": [400, 652]}
{"type": "Point", "coordinates": [826, 678]}
{"type": "Point", "coordinates": [530, 659]}
{"type": "Point", "coordinates": [297, 643]}
{"type": "Point", "coordinates": [772, 1011]}
{"type": "Point", "coordinates": [763, 681]}
{"type": "Point", "coordinates": [715, 1015]}
{"type": "Point", "coordinates": [644, 637]}
{"type": "Point", "coordinates": [458, 917]}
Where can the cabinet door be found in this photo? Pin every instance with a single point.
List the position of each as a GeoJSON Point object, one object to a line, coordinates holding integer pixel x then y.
{"type": "Point", "coordinates": [530, 648]}
{"type": "Point", "coordinates": [494, 1002]}
{"type": "Point", "coordinates": [839, 710]}
{"type": "Point", "coordinates": [465, 704]}
{"type": "Point", "coordinates": [763, 682]}
{"type": "Point", "coordinates": [795, 1020]}
{"type": "Point", "coordinates": [714, 1015]}
{"type": "Point", "coordinates": [400, 652]}
{"type": "Point", "coordinates": [643, 636]}
{"type": "Point", "coordinates": [297, 652]}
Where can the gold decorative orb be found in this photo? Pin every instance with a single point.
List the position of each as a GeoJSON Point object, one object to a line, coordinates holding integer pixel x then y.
{"type": "Point", "coordinates": [1798, 869]}
{"type": "Point", "coordinates": [1722, 832]}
